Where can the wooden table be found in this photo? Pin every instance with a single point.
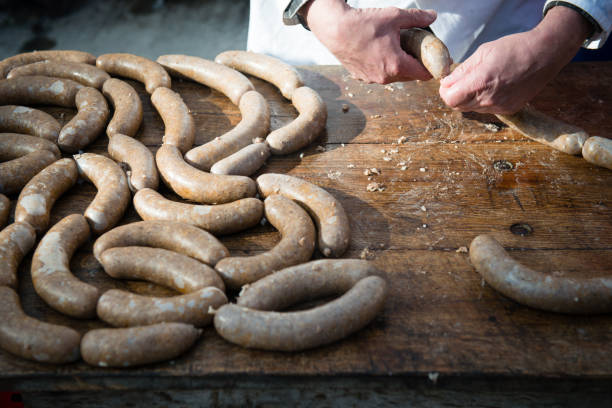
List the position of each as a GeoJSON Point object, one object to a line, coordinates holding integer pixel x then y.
{"type": "Point", "coordinates": [444, 334]}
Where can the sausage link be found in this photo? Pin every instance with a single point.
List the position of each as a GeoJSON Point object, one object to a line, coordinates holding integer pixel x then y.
{"type": "Point", "coordinates": [16, 241]}
{"type": "Point", "coordinates": [296, 245]}
{"type": "Point", "coordinates": [293, 331]}
{"type": "Point", "coordinates": [7, 64]}
{"type": "Point", "coordinates": [536, 289]}
{"type": "Point", "coordinates": [255, 123]}
{"type": "Point", "coordinates": [428, 49]}
{"type": "Point", "coordinates": [135, 67]}
{"type": "Point", "coordinates": [31, 338]}
{"type": "Point", "coordinates": [218, 219]}
{"type": "Point", "coordinates": [328, 214]}
{"type": "Point", "coordinates": [196, 185]}
{"type": "Point", "coordinates": [53, 281]}
{"type": "Point", "coordinates": [38, 196]}
{"type": "Point", "coordinates": [87, 124]}
{"type": "Point", "coordinates": [128, 107]}
{"type": "Point", "coordinates": [598, 150]}
{"type": "Point", "coordinates": [143, 171]}
{"type": "Point", "coordinates": [14, 174]}
{"type": "Point", "coordinates": [85, 74]}
{"type": "Point", "coordinates": [229, 82]}
{"type": "Point", "coordinates": [137, 345]}
{"type": "Point", "coordinates": [270, 69]}
{"type": "Point", "coordinates": [14, 145]}
{"type": "Point", "coordinates": [38, 90]}
{"type": "Point", "coordinates": [113, 195]}
{"type": "Point", "coordinates": [305, 128]}
{"type": "Point", "coordinates": [5, 208]}
{"type": "Point", "coordinates": [21, 119]}
{"type": "Point", "coordinates": [179, 127]}
{"type": "Point", "coordinates": [244, 162]}
{"type": "Point", "coordinates": [301, 283]}
{"type": "Point", "coordinates": [173, 236]}
{"type": "Point", "coordinates": [166, 268]}
{"type": "Point", "coordinates": [124, 309]}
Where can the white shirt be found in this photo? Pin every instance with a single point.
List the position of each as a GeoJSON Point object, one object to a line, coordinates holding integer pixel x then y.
{"type": "Point", "coordinates": [461, 24]}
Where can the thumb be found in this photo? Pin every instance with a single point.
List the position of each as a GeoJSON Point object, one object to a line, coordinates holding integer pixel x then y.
{"type": "Point", "coordinates": [408, 18]}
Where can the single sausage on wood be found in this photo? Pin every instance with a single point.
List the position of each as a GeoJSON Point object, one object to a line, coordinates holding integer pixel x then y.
{"type": "Point", "coordinates": [5, 208]}
{"type": "Point", "coordinates": [137, 345]}
{"type": "Point", "coordinates": [33, 339]}
{"type": "Point", "coordinates": [303, 129]}
{"type": "Point", "coordinates": [296, 245]}
{"type": "Point", "coordinates": [173, 236]}
{"type": "Point", "coordinates": [113, 195]}
{"type": "Point", "coordinates": [21, 119]}
{"type": "Point", "coordinates": [598, 150]}
{"type": "Point", "coordinates": [51, 275]}
{"type": "Point", "coordinates": [87, 124]}
{"type": "Point", "coordinates": [301, 283]}
{"type": "Point", "coordinates": [135, 67]}
{"type": "Point", "coordinates": [218, 219]}
{"type": "Point", "coordinates": [332, 223]}
{"type": "Point", "coordinates": [84, 74]}
{"type": "Point", "coordinates": [13, 145]}
{"type": "Point", "coordinates": [166, 268]}
{"type": "Point", "coordinates": [179, 127]}
{"type": "Point", "coordinates": [38, 90]}
{"type": "Point", "coordinates": [196, 185]}
{"type": "Point", "coordinates": [428, 49]}
{"type": "Point", "coordinates": [128, 107]}
{"type": "Point", "coordinates": [16, 241]}
{"type": "Point", "coordinates": [536, 289]}
{"type": "Point", "coordinates": [255, 124]}
{"type": "Point", "coordinates": [38, 196]}
{"type": "Point", "coordinates": [270, 69]}
{"type": "Point", "coordinates": [124, 309]}
{"type": "Point", "coordinates": [229, 82]}
{"type": "Point", "coordinates": [7, 64]}
{"type": "Point", "coordinates": [244, 162]}
{"type": "Point", "coordinates": [143, 170]}
{"type": "Point", "coordinates": [14, 174]}
{"type": "Point", "coordinates": [293, 331]}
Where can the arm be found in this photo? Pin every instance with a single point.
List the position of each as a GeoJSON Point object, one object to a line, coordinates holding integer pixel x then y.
{"type": "Point", "coordinates": [367, 41]}
{"type": "Point", "coordinates": [503, 75]}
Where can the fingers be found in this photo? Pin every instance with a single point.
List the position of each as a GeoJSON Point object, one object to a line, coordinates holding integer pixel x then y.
{"type": "Point", "coordinates": [410, 69]}
{"type": "Point", "coordinates": [408, 18]}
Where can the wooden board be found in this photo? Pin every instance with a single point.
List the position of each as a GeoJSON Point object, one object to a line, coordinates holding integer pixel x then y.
{"type": "Point", "coordinates": [442, 188]}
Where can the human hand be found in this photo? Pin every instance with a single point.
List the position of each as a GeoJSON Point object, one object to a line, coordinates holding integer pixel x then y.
{"type": "Point", "coordinates": [367, 41]}
{"type": "Point", "coordinates": [503, 75]}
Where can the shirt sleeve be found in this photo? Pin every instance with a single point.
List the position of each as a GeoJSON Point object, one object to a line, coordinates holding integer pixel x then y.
{"type": "Point", "coordinates": [290, 14]}
{"type": "Point", "coordinates": [598, 12]}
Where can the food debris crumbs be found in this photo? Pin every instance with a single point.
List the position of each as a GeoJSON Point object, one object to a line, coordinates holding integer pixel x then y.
{"type": "Point", "coordinates": [345, 108]}
{"type": "Point", "coordinates": [302, 155]}
{"type": "Point", "coordinates": [372, 171]}
{"type": "Point", "coordinates": [350, 166]}
{"type": "Point", "coordinates": [422, 169]}
{"type": "Point", "coordinates": [320, 149]}
{"type": "Point", "coordinates": [372, 187]}
{"type": "Point", "coordinates": [492, 127]}
{"type": "Point", "coordinates": [334, 175]}
{"type": "Point", "coordinates": [433, 377]}
{"type": "Point", "coordinates": [423, 208]}
{"type": "Point", "coordinates": [462, 250]}
{"type": "Point", "coordinates": [350, 95]}
{"type": "Point", "coordinates": [366, 253]}
{"type": "Point", "coordinates": [387, 158]}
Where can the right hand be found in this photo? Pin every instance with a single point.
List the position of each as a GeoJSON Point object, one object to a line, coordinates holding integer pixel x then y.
{"type": "Point", "coordinates": [367, 41]}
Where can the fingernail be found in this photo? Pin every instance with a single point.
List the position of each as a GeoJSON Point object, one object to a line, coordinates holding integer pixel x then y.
{"type": "Point", "coordinates": [432, 11]}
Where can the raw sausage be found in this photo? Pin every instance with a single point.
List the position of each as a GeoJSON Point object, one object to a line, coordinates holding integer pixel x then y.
{"type": "Point", "coordinates": [174, 236]}
{"type": "Point", "coordinates": [14, 174]}
{"type": "Point", "coordinates": [13, 145]}
{"type": "Point", "coordinates": [16, 241]}
{"type": "Point", "coordinates": [598, 150]}
{"type": "Point", "coordinates": [51, 275]}
{"type": "Point", "coordinates": [7, 64]}
{"type": "Point", "coordinates": [21, 119]}
{"type": "Point", "coordinates": [196, 185]}
{"type": "Point", "coordinates": [428, 49]}
{"type": "Point", "coordinates": [113, 195]}
{"type": "Point", "coordinates": [296, 245]}
{"type": "Point", "coordinates": [84, 74]}
{"type": "Point", "coordinates": [38, 196]}
{"type": "Point", "coordinates": [218, 219]}
{"type": "Point", "coordinates": [179, 127]}
{"type": "Point", "coordinates": [38, 90]}
{"type": "Point", "coordinates": [244, 162]}
{"type": "Point", "coordinates": [87, 124]}
{"type": "Point", "coordinates": [332, 223]}
{"type": "Point", "coordinates": [143, 171]}
{"type": "Point", "coordinates": [135, 67]}
{"type": "Point", "coordinates": [137, 345]}
{"type": "Point", "coordinates": [536, 289]}
{"type": "Point", "coordinates": [255, 123]}
{"type": "Point", "coordinates": [128, 107]}
{"type": "Point", "coordinates": [33, 339]}
{"type": "Point", "coordinates": [124, 309]}
{"type": "Point", "coordinates": [303, 129]}
{"type": "Point", "coordinates": [166, 268]}
{"type": "Point", "coordinates": [293, 331]}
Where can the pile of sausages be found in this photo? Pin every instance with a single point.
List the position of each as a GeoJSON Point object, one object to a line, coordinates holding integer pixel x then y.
{"type": "Point", "coordinates": [176, 245]}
